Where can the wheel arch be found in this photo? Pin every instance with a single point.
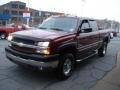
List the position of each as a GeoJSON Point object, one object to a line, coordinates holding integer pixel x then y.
{"type": "Point", "coordinates": [106, 39]}
{"type": "Point", "coordinates": [3, 32]}
{"type": "Point", "coordinates": [68, 48]}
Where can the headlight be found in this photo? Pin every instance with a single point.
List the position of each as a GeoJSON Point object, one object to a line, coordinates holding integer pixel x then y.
{"type": "Point", "coordinates": [43, 44]}
{"type": "Point", "coordinates": [10, 37]}
{"type": "Point", "coordinates": [44, 49]}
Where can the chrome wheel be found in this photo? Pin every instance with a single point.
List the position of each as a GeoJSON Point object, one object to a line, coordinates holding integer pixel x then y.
{"type": "Point", "coordinates": [67, 66]}
{"type": "Point", "coordinates": [102, 51]}
{"type": "Point", "coordinates": [104, 48]}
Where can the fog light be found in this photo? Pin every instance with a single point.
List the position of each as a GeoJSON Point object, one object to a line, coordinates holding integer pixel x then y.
{"type": "Point", "coordinates": [45, 52]}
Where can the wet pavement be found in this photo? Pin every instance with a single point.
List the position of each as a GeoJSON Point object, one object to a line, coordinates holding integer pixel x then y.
{"type": "Point", "coordinates": [86, 75]}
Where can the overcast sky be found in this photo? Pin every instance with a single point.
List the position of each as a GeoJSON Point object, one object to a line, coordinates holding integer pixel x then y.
{"type": "Point", "coordinates": [99, 9]}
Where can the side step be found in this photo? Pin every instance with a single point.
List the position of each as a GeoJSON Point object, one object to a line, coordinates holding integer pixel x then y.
{"type": "Point", "coordinates": [87, 56]}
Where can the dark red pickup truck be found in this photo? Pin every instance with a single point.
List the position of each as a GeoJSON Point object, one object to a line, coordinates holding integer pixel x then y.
{"type": "Point", "coordinates": [59, 43]}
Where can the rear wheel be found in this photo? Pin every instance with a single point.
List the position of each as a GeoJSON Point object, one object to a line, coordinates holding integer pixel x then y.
{"type": "Point", "coordinates": [3, 36]}
{"type": "Point", "coordinates": [66, 66]}
{"type": "Point", "coordinates": [102, 51]}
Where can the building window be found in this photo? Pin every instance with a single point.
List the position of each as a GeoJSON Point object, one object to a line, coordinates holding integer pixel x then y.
{"type": "Point", "coordinates": [37, 14]}
{"type": "Point", "coordinates": [22, 6]}
{"type": "Point", "coordinates": [20, 19]}
{"type": "Point", "coordinates": [20, 12]}
{"type": "Point", "coordinates": [6, 11]}
{"type": "Point", "coordinates": [31, 13]}
{"type": "Point", "coordinates": [14, 5]}
{"type": "Point", "coordinates": [43, 14]}
{"type": "Point", "coordinates": [14, 12]}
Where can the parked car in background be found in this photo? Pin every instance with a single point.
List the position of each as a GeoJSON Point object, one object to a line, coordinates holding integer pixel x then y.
{"type": "Point", "coordinates": [10, 28]}
{"type": "Point", "coordinates": [24, 27]}
{"type": "Point", "coordinates": [5, 30]}
{"type": "Point", "coordinates": [113, 33]}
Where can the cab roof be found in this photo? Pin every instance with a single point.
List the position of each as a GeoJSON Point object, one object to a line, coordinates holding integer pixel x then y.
{"type": "Point", "coordinates": [72, 16]}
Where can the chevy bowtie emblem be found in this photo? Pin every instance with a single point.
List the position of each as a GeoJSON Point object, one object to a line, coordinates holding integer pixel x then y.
{"type": "Point", "coordinates": [20, 44]}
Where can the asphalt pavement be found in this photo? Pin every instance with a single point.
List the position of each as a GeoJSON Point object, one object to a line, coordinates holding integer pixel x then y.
{"type": "Point", "coordinates": [112, 80]}
{"type": "Point", "coordinates": [94, 73]}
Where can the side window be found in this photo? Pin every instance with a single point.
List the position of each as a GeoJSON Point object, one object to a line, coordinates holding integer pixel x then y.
{"type": "Point", "coordinates": [85, 27]}
{"type": "Point", "coordinates": [93, 25]}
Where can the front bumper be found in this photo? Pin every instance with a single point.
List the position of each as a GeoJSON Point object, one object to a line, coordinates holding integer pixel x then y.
{"type": "Point", "coordinates": [32, 60]}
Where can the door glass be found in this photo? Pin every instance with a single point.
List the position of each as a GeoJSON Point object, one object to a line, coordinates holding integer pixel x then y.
{"type": "Point", "coordinates": [84, 27]}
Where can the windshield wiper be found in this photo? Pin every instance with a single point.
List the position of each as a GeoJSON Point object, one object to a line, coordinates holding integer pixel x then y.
{"type": "Point", "coordinates": [58, 29]}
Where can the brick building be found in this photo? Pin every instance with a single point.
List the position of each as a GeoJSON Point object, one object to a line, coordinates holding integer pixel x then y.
{"type": "Point", "coordinates": [15, 9]}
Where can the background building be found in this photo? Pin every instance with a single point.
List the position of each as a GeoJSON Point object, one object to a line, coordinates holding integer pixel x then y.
{"type": "Point", "coordinates": [13, 13]}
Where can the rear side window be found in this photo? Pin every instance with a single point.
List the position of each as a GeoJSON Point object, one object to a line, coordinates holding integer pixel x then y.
{"type": "Point", "coordinates": [93, 25]}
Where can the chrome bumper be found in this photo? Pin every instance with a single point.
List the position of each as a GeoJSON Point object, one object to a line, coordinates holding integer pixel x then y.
{"type": "Point", "coordinates": [33, 63]}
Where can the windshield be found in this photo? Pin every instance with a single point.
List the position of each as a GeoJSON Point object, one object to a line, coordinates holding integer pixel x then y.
{"type": "Point", "coordinates": [59, 24]}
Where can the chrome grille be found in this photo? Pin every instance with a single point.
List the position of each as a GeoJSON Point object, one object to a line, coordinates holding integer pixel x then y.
{"type": "Point", "coordinates": [23, 49]}
{"type": "Point", "coordinates": [25, 41]}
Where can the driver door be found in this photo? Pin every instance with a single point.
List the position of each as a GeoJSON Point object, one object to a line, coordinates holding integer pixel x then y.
{"type": "Point", "coordinates": [84, 38]}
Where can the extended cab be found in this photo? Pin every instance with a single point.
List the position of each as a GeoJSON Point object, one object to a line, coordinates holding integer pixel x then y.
{"type": "Point", "coordinates": [59, 43]}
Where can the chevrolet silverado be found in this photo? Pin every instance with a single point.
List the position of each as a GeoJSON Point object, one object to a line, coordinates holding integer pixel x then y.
{"type": "Point", "coordinates": [59, 43]}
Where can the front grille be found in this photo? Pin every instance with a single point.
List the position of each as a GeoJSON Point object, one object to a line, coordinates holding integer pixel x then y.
{"type": "Point", "coordinates": [25, 41]}
{"type": "Point", "coordinates": [23, 49]}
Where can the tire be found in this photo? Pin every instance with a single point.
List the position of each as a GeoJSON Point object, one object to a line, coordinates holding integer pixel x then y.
{"type": "Point", "coordinates": [102, 50]}
{"type": "Point", "coordinates": [66, 66]}
{"type": "Point", "coordinates": [2, 36]}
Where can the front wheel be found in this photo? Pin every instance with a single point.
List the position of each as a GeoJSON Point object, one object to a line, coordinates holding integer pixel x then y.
{"type": "Point", "coordinates": [66, 66]}
{"type": "Point", "coordinates": [102, 50]}
{"type": "Point", "coordinates": [2, 35]}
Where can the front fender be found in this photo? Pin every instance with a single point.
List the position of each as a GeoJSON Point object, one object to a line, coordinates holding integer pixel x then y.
{"type": "Point", "coordinates": [67, 47]}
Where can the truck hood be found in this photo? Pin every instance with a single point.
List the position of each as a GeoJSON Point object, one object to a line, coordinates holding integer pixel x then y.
{"type": "Point", "coordinates": [41, 34]}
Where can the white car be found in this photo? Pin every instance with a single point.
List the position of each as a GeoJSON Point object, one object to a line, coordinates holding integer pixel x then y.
{"type": "Point", "coordinates": [111, 35]}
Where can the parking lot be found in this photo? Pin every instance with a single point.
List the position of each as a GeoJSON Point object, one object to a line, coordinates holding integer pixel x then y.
{"type": "Point", "coordinates": [86, 75]}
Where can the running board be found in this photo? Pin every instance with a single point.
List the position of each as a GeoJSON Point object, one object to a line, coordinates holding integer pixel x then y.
{"type": "Point", "coordinates": [86, 57]}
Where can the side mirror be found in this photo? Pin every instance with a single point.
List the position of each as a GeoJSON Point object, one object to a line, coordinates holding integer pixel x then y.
{"type": "Point", "coordinates": [87, 30]}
